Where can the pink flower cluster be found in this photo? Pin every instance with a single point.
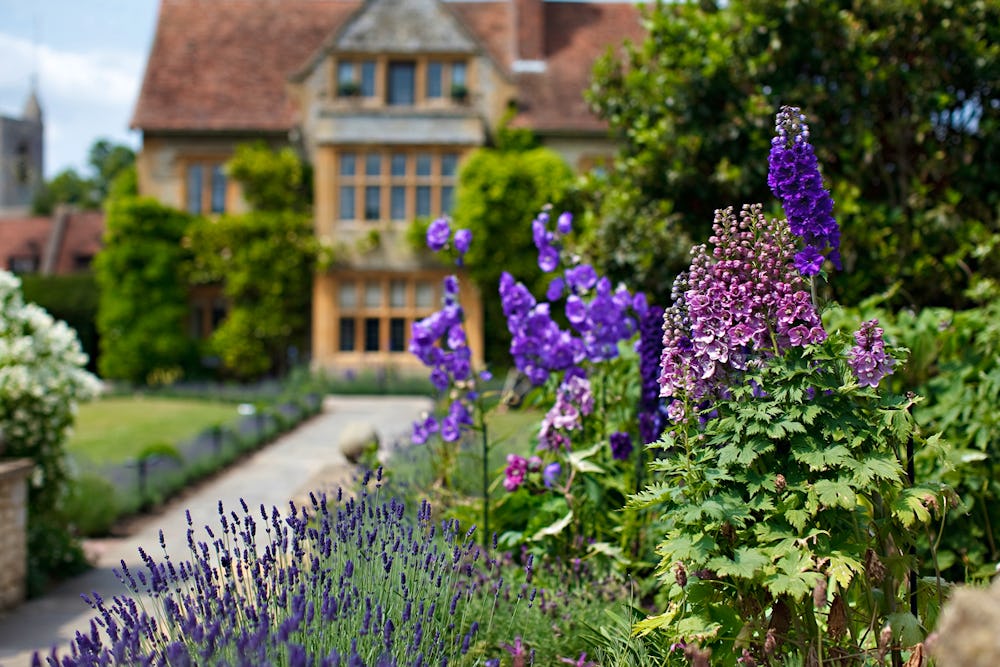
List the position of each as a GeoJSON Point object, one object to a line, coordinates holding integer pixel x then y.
{"type": "Point", "coordinates": [741, 301]}
{"type": "Point", "coordinates": [574, 400]}
{"type": "Point", "coordinates": [867, 358]}
{"type": "Point", "coordinates": [517, 468]}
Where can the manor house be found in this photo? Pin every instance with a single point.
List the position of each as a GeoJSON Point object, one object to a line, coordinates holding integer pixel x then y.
{"type": "Point", "coordinates": [384, 98]}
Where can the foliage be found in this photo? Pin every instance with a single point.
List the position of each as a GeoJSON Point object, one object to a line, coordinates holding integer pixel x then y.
{"type": "Point", "coordinates": [955, 364]}
{"type": "Point", "coordinates": [496, 186]}
{"type": "Point", "coordinates": [269, 308]}
{"type": "Point", "coordinates": [72, 298]}
{"type": "Point", "coordinates": [791, 492]}
{"type": "Point", "coordinates": [142, 277]}
{"type": "Point", "coordinates": [271, 180]}
{"type": "Point", "coordinates": [106, 160]}
{"type": "Point", "coordinates": [905, 101]}
{"type": "Point", "coordinates": [91, 506]}
{"type": "Point", "coordinates": [42, 380]}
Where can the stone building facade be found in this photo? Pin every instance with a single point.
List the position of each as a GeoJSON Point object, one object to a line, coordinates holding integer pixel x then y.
{"type": "Point", "coordinates": [385, 98]}
{"type": "Point", "coordinates": [13, 529]}
{"type": "Point", "coordinates": [21, 160]}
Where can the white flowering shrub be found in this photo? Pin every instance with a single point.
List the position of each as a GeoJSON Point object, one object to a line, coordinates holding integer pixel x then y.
{"type": "Point", "coordinates": [42, 380]}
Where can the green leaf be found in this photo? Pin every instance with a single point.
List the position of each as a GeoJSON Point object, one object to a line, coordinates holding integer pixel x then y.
{"type": "Point", "coordinates": [909, 507]}
{"type": "Point", "coordinates": [834, 493]}
{"type": "Point", "coordinates": [823, 457]}
{"type": "Point", "coordinates": [746, 563]}
{"type": "Point", "coordinates": [905, 628]}
{"type": "Point", "coordinates": [687, 548]}
{"type": "Point", "coordinates": [843, 568]}
{"type": "Point", "coordinates": [578, 460]}
{"type": "Point", "coordinates": [554, 528]}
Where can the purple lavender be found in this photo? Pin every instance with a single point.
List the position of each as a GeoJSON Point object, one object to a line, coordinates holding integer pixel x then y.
{"type": "Point", "coordinates": [867, 358]}
{"type": "Point", "coordinates": [741, 301]}
{"type": "Point", "coordinates": [794, 178]}
{"type": "Point", "coordinates": [358, 583]}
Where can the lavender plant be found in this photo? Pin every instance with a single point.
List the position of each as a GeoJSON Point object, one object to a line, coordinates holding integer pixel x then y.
{"type": "Point", "coordinates": [790, 517]}
{"type": "Point", "coordinates": [356, 583]}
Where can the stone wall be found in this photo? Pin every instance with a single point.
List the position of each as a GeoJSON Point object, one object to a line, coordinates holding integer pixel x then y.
{"type": "Point", "coordinates": [13, 530]}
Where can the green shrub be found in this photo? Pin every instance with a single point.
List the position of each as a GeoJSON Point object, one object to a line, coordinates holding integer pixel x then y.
{"type": "Point", "coordinates": [72, 299]}
{"type": "Point", "coordinates": [91, 506]}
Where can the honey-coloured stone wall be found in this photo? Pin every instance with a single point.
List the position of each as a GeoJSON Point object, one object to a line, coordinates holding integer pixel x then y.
{"type": "Point", "coordinates": [13, 531]}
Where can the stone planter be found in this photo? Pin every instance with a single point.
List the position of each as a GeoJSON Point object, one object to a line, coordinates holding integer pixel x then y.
{"type": "Point", "coordinates": [13, 530]}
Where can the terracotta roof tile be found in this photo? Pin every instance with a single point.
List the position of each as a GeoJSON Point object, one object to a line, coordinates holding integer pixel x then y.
{"type": "Point", "coordinates": [576, 34]}
{"type": "Point", "coordinates": [82, 239]}
{"type": "Point", "coordinates": [23, 237]}
{"type": "Point", "coordinates": [223, 64]}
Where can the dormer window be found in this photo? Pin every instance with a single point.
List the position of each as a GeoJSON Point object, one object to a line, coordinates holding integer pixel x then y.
{"type": "Point", "coordinates": [402, 82]}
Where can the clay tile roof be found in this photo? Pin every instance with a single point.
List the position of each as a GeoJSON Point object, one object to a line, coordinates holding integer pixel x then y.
{"type": "Point", "coordinates": [491, 23]}
{"type": "Point", "coordinates": [576, 34]}
{"type": "Point", "coordinates": [23, 236]}
{"type": "Point", "coordinates": [224, 64]}
{"type": "Point", "coordinates": [82, 238]}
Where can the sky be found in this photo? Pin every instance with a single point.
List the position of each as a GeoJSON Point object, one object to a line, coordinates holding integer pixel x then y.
{"type": "Point", "coordinates": [88, 58]}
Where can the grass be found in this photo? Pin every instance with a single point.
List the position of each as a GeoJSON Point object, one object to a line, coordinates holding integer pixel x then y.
{"type": "Point", "coordinates": [117, 429]}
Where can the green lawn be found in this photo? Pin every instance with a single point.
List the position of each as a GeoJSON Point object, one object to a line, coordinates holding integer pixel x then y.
{"type": "Point", "coordinates": [116, 429]}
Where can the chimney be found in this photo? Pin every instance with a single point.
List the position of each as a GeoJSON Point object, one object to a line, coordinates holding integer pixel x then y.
{"type": "Point", "coordinates": [529, 18]}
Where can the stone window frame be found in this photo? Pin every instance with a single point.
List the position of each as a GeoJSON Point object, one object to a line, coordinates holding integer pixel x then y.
{"type": "Point", "coordinates": [350, 91]}
{"type": "Point", "coordinates": [209, 187]}
{"type": "Point", "coordinates": [390, 313]}
{"type": "Point", "coordinates": [388, 180]}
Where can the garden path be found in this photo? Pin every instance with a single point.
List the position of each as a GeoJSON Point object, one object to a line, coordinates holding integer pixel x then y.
{"type": "Point", "coordinates": [306, 458]}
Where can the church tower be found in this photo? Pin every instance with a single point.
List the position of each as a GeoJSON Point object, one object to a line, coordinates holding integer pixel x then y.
{"type": "Point", "coordinates": [21, 161]}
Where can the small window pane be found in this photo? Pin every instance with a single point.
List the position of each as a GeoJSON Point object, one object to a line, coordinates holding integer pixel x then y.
{"type": "Point", "coordinates": [402, 77]}
{"type": "Point", "coordinates": [345, 71]}
{"type": "Point", "coordinates": [447, 198]}
{"type": "Point", "coordinates": [397, 334]}
{"type": "Point", "coordinates": [397, 294]}
{"type": "Point", "coordinates": [434, 69]}
{"type": "Point", "coordinates": [348, 164]}
{"type": "Point", "coordinates": [397, 208]}
{"type": "Point", "coordinates": [347, 204]}
{"type": "Point", "coordinates": [348, 296]}
{"type": "Point", "coordinates": [368, 78]}
{"type": "Point", "coordinates": [373, 208]}
{"type": "Point", "coordinates": [423, 201]}
{"type": "Point", "coordinates": [448, 163]}
{"type": "Point", "coordinates": [348, 331]}
{"type": "Point", "coordinates": [425, 295]}
{"type": "Point", "coordinates": [399, 164]}
{"type": "Point", "coordinates": [373, 164]}
{"type": "Point", "coordinates": [373, 294]}
{"type": "Point", "coordinates": [458, 74]}
{"type": "Point", "coordinates": [194, 178]}
{"type": "Point", "coordinates": [424, 164]}
{"type": "Point", "coordinates": [371, 334]}
{"type": "Point", "coordinates": [218, 189]}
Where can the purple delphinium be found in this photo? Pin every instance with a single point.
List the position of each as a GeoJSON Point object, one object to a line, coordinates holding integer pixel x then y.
{"type": "Point", "coordinates": [600, 315]}
{"type": "Point", "coordinates": [574, 400]}
{"type": "Point", "coordinates": [650, 348]}
{"type": "Point", "coordinates": [740, 301]}
{"type": "Point", "coordinates": [794, 178]}
{"type": "Point", "coordinates": [551, 474]}
{"type": "Point", "coordinates": [438, 234]}
{"type": "Point", "coordinates": [621, 445]}
{"type": "Point", "coordinates": [440, 342]}
{"type": "Point", "coordinates": [867, 358]}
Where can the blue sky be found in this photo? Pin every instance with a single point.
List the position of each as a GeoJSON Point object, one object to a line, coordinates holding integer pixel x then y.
{"type": "Point", "coordinates": [89, 57]}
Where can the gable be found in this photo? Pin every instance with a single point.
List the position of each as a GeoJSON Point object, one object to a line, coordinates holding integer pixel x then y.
{"type": "Point", "coordinates": [404, 26]}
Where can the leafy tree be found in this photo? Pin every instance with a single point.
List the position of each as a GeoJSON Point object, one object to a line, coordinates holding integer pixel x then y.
{"type": "Point", "coordinates": [500, 191]}
{"type": "Point", "coordinates": [106, 160]}
{"type": "Point", "coordinates": [271, 180]}
{"type": "Point", "coordinates": [265, 262]}
{"type": "Point", "coordinates": [902, 96]}
{"type": "Point", "coordinates": [141, 274]}
{"type": "Point", "coordinates": [66, 187]}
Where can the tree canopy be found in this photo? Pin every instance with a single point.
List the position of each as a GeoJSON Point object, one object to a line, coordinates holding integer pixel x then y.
{"type": "Point", "coordinates": [106, 161]}
{"type": "Point", "coordinates": [903, 102]}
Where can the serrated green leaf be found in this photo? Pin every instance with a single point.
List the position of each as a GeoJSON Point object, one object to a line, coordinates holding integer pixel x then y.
{"type": "Point", "coordinates": [905, 628]}
{"type": "Point", "coordinates": [909, 506]}
{"type": "Point", "coordinates": [824, 457]}
{"type": "Point", "coordinates": [745, 563]}
{"type": "Point", "coordinates": [835, 493]}
{"type": "Point", "coordinates": [843, 568]}
{"type": "Point", "coordinates": [798, 518]}
{"type": "Point", "coordinates": [684, 548]}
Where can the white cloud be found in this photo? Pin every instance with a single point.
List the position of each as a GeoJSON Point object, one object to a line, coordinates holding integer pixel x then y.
{"type": "Point", "coordinates": [103, 77]}
{"type": "Point", "coordinates": [84, 95]}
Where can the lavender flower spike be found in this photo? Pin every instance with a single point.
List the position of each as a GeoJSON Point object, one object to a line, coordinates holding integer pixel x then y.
{"type": "Point", "coordinates": [794, 178]}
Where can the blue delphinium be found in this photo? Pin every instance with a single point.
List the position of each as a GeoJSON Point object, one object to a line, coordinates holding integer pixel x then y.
{"type": "Point", "coordinates": [794, 178]}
